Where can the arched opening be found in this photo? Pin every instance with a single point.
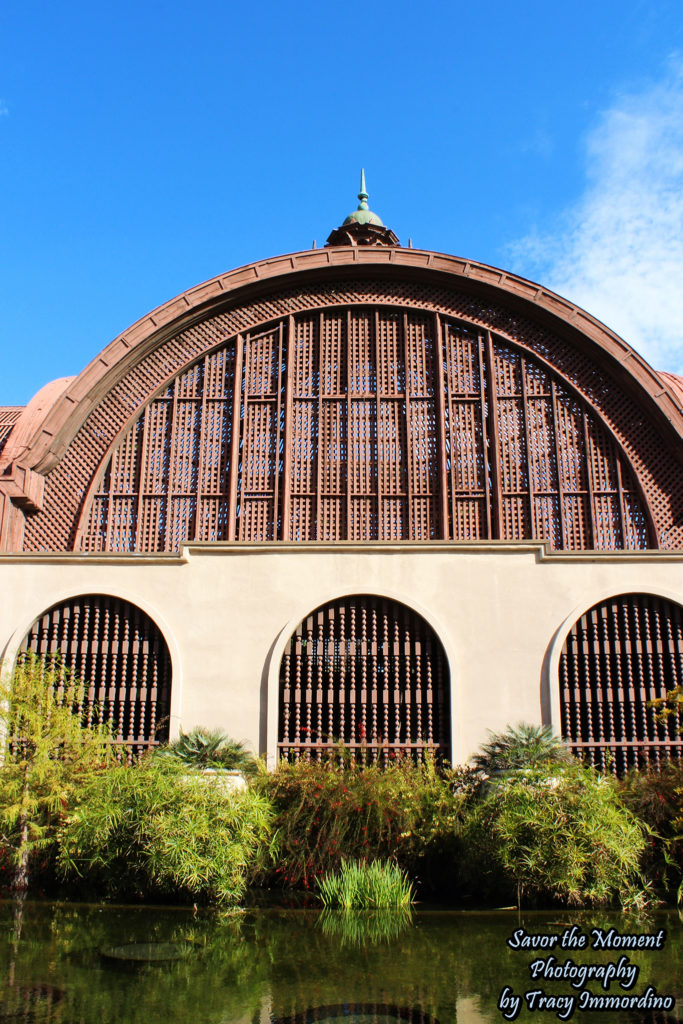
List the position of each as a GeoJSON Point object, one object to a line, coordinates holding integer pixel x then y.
{"type": "Point", "coordinates": [120, 655]}
{"type": "Point", "coordinates": [619, 656]}
{"type": "Point", "coordinates": [367, 424]}
{"type": "Point", "coordinates": [368, 674]}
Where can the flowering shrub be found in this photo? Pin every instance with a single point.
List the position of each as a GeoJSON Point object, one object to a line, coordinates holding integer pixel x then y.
{"type": "Point", "coordinates": [326, 814]}
{"type": "Point", "coordinates": [550, 831]}
{"type": "Point", "coordinates": [656, 797]}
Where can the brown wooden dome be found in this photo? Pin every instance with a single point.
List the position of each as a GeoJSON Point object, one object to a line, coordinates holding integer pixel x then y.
{"type": "Point", "coordinates": [355, 394]}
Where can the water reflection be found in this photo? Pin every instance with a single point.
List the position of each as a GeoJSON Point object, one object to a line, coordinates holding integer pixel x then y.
{"type": "Point", "coordinates": [359, 1013]}
{"type": "Point", "coordinates": [290, 967]}
{"type": "Point", "coordinates": [365, 927]}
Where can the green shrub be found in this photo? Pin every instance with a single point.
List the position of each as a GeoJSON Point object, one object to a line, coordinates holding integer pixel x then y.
{"type": "Point", "coordinates": [520, 747]}
{"type": "Point", "coordinates": [554, 832]}
{"type": "Point", "coordinates": [327, 814]}
{"type": "Point", "coordinates": [669, 708]}
{"type": "Point", "coordinates": [46, 754]}
{"type": "Point", "coordinates": [363, 885]}
{"type": "Point", "coordinates": [159, 828]}
{"type": "Point", "coordinates": [210, 748]}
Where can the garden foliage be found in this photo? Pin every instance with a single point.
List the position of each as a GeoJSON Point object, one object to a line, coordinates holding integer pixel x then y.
{"type": "Point", "coordinates": [46, 756]}
{"type": "Point", "coordinates": [527, 821]}
{"type": "Point", "coordinates": [547, 829]}
{"type": "Point", "coordinates": [521, 746]}
{"type": "Point", "coordinates": [160, 828]}
{"type": "Point", "coordinates": [210, 748]}
{"type": "Point", "coordinates": [326, 814]}
{"type": "Point", "coordinates": [655, 797]}
{"type": "Point", "coordinates": [554, 832]}
{"type": "Point", "coordinates": [669, 707]}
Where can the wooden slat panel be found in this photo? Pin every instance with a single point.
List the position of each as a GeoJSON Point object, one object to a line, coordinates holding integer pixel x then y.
{"type": "Point", "coordinates": [366, 424]}
{"type": "Point", "coordinates": [120, 656]}
{"type": "Point", "coordinates": [371, 676]}
{"type": "Point", "coordinates": [620, 655]}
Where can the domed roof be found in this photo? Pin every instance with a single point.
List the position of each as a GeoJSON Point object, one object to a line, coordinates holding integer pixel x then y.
{"type": "Point", "coordinates": [363, 215]}
{"type": "Point", "coordinates": [675, 382]}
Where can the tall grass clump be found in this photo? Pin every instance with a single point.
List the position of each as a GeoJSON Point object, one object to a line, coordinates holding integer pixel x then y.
{"type": "Point", "coordinates": [362, 885]}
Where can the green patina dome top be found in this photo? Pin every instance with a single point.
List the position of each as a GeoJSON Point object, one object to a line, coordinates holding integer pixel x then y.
{"type": "Point", "coordinates": [363, 215]}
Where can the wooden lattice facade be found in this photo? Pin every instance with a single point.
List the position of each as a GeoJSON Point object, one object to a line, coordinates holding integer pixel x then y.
{"type": "Point", "coordinates": [366, 674]}
{"type": "Point", "coordinates": [367, 425]}
{"type": "Point", "coordinates": [8, 417]}
{"type": "Point", "coordinates": [364, 400]}
{"type": "Point", "coordinates": [339, 397]}
{"type": "Point", "coordinates": [618, 657]}
{"type": "Point", "coordinates": [120, 656]}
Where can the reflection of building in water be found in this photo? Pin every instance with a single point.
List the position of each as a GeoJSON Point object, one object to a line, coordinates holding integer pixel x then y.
{"type": "Point", "coordinates": [362, 493]}
{"type": "Point", "coordinates": [359, 1013]}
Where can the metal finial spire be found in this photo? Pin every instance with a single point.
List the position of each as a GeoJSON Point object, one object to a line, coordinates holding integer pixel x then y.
{"type": "Point", "coordinates": [362, 195]}
{"type": "Point", "coordinates": [362, 227]}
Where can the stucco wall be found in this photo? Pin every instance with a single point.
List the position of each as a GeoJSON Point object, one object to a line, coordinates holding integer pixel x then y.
{"type": "Point", "coordinates": [501, 611]}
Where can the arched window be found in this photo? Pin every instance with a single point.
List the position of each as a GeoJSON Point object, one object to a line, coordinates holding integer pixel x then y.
{"type": "Point", "coordinates": [366, 424]}
{"type": "Point", "coordinates": [120, 655]}
{"type": "Point", "coordinates": [367, 673]}
{"type": "Point", "coordinates": [620, 655]}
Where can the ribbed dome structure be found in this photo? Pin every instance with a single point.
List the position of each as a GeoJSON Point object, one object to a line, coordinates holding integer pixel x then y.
{"type": "Point", "coordinates": [356, 400]}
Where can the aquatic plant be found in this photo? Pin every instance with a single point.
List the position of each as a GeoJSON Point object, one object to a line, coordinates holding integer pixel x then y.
{"type": "Point", "coordinates": [362, 885]}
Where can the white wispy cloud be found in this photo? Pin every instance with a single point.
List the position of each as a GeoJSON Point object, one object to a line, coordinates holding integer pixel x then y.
{"type": "Point", "coordinates": [619, 251]}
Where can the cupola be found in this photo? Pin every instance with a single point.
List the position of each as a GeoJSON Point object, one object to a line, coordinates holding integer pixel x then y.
{"type": "Point", "coordinates": [362, 227]}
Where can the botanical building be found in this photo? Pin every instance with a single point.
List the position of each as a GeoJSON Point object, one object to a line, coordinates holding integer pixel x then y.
{"type": "Point", "coordinates": [364, 493]}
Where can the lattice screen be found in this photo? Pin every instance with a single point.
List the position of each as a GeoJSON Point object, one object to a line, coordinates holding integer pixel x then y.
{"type": "Point", "coordinates": [369, 673]}
{"type": "Point", "coordinates": [115, 649]}
{"type": "Point", "coordinates": [621, 654]}
{"type": "Point", "coordinates": [8, 417]}
{"type": "Point", "coordinates": [366, 424]}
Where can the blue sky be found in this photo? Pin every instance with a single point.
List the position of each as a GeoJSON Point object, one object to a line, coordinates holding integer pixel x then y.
{"type": "Point", "coordinates": [147, 147]}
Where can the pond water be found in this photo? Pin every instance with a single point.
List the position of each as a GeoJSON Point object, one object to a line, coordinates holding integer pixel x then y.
{"type": "Point", "coordinates": [96, 964]}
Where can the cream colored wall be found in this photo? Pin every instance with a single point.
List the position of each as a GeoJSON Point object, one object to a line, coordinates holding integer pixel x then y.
{"type": "Point", "coordinates": [502, 612]}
